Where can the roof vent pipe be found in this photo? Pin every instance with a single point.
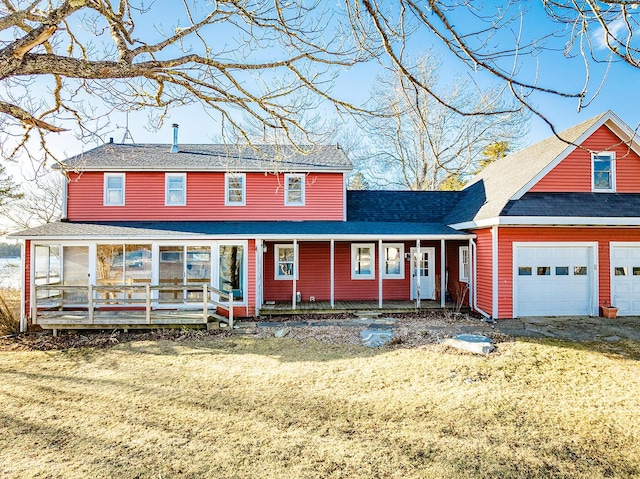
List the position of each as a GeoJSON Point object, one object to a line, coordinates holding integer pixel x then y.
{"type": "Point", "coordinates": [174, 147]}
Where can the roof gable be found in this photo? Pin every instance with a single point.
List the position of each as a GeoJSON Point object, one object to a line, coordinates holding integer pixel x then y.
{"type": "Point", "coordinates": [509, 178]}
{"type": "Point", "coordinates": [214, 157]}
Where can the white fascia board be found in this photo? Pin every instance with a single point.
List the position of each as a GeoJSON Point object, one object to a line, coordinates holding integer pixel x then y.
{"type": "Point", "coordinates": [549, 221]}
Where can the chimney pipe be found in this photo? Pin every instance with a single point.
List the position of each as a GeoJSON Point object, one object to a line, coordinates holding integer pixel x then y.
{"type": "Point", "coordinates": [174, 147]}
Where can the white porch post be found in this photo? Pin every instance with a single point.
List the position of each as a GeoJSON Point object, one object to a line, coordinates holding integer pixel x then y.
{"type": "Point", "coordinates": [381, 261]}
{"type": "Point", "coordinates": [333, 270]}
{"type": "Point", "coordinates": [416, 273]}
{"type": "Point", "coordinates": [470, 283]}
{"type": "Point", "coordinates": [26, 280]}
{"type": "Point", "coordinates": [296, 266]}
{"type": "Point", "coordinates": [443, 273]}
{"type": "Point", "coordinates": [259, 274]}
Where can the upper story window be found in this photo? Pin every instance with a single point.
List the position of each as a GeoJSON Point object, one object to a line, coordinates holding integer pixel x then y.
{"type": "Point", "coordinates": [393, 261]}
{"type": "Point", "coordinates": [175, 189]}
{"type": "Point", "coordinates": [463, 263]}
{"type": "Point", "coordinates": [363, 261]}
{"type": "Point", "coordinates": [293, 190]}
{"type": "Point", "coordinates": [114, 189]}
{"type": "Point", "coordinates": [604, 172]}
{"type": "Point", "coordinates": [234, 186]}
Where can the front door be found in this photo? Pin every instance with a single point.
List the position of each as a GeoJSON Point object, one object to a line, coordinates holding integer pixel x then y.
{"type": "Point", "coordinates": [422, 273]}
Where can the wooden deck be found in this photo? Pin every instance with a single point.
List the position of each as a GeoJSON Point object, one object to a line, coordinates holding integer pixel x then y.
{"type": "Point", "coordinates": [324, 307]}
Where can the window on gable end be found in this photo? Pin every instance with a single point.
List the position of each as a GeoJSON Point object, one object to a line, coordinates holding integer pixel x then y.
{"type": "Point", "coordinates": [175, 189]}
{"type": "Point", "coordinates": [294, 190]}
{"type": "Point", "coordinates": [235, 189]}
{"type": "Point", "coordinates": [603, 172]}
{"type": "Point", "coordinates": [114, 189]}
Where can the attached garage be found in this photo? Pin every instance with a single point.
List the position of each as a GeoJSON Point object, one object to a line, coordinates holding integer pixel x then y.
{"type": "Point", "coordinates": [554, 279]}
{"type": "Point", "coordinates": [625, 278]}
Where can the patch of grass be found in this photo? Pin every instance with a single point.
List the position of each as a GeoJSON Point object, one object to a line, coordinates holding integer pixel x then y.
{"type": "Point", "coordinates": [280, 408]}
{"type": "Point", "coordinates": [9, 312]}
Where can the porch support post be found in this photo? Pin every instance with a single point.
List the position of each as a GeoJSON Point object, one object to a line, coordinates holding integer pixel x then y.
{"type": "Point", "coordinates": [443, 273]}
{"type": "Point", "coordinates": [333, 271]}
{"type": "Point", "coordinates": [296, 267]}
{"type": "Point", "coordinates": [416, 273]}
{"type": "Point", "coordinates": [470, 282]}
{"type": "Point", "coordinates": [380, 269]}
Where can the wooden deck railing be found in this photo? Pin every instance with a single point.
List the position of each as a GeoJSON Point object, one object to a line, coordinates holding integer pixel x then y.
{"type": "Point", "coordinates": [147, 297]}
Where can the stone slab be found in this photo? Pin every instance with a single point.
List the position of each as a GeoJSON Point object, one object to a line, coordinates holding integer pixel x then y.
{"type": "Point", "coordinates": [374, 338]}
{"type": "Point", "coordinates": [474, 343]}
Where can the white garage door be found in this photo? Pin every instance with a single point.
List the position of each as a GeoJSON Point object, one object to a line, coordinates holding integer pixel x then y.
{"type": "Point", "coordinates": [625, 279]}
{"type": "Point", "coordinates": [553, 280]}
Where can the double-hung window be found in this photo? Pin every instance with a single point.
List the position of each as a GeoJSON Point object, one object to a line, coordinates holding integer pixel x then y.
{"type": "Point", "coordinates": [463, 263]}
{"type": "Point", "coordinates": [114, 189]}
{"type": "Point", "coordinates": [285, 261]}
{"type": "Point", "coordinates": [294, 190]}
{"type": "Point", "coordinates": [235, 191]}
{"type": "Point", "coordinates": [363, 261]}
{"type": "Point", "coordinates": [175, 189]}
{"type": "Point", "coordinates": [393, 261]}
{"type": "Point", "coordinates": [604, 172]}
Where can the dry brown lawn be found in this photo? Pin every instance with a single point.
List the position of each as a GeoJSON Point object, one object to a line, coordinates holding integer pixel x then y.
{"type": "Point", "coordinates": [284, 408]}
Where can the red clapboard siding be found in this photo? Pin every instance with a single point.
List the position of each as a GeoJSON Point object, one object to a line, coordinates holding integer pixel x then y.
{"type": "Point", "coordinates": [507, 236]}
{"type": "Point", "coordinates": [145, 198]}
{"type": "Point", "coordinates": [484, 275]}
{"type": "Point", "coordinates": [315, 280]}
{"type": "Point", "coordinates": [573, 174]}
{"type": "Point", "coordinates": [455, 287]}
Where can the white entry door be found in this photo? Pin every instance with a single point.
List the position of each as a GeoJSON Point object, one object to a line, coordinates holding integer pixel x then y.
{"type": "Point", "coordinates": [422, 273]}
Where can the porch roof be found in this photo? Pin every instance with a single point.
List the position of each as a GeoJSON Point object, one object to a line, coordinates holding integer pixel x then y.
{"type": "Point", "coordinates": [343, 230]}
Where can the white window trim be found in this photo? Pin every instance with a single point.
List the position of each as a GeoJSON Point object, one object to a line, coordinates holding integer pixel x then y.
{"type": "Point", "coordinates": [612, 157]}
{"type": "Point", "coordinates": [105, 196]}
{"type": "Point", "coordinates": [276, 270]}
{"type": "Point", "coordinates": [462, 277]}
{"type": "Point", "coordinates": [354, 247]}
{"type": "Point", "coordinates": [227, 177]}
{"type": "Point", "coordinates": [302, 177]}
{"type": "Point", "coordinates": [184, 188]}
{"type": "Point", "coordinates": [400, 247]}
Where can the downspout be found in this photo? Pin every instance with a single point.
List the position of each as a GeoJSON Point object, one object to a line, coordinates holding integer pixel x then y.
{"type": "Point", "coordinates": [474, 285]}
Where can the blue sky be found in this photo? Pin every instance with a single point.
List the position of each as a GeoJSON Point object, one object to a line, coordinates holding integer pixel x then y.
{"type": "Point", "coordinates": [553, 71]}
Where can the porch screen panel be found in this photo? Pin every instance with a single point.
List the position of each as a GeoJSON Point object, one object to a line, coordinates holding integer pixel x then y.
{"type": "Point", "coordinates": [231, 270]}
{"type": "Point", "coordinates": [198, 268]}
{"type": "Point", "coordinates": [47, 264]}
{"type": "Point", "coordinates": [171, 271]}
{"type": "Point", "coordinates": [137, 267]}
{"type": "Point", "coordinates": [75, 270]}
{"type": "Point", "coordinates": [109, 264]}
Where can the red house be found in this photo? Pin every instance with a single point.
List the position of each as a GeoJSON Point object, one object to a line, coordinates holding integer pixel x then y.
{"type": "Point", "coordinates": [549, 230]}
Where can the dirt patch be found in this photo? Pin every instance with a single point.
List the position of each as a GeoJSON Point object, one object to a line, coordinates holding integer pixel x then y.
{"type": "Point", "coordinates": [411, 330]}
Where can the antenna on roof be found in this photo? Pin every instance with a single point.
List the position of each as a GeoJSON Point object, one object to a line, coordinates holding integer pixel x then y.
{"type": "Point", "coordinates": [127, 132]}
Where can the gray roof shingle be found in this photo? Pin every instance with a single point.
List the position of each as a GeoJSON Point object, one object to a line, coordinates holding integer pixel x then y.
{"type": "Point", "coordinates": [501, 180]}
{"type": "Point", "coordinates": [271, 158]}
{"type": "Point", "coordinates": [588, 205]}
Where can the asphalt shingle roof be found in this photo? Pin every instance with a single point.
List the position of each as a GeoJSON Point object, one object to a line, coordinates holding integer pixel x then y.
{"type": "Point", "coordinates": [243, 229]}
{"type": "Point", "coordinates": [501, 180]}
{"type": "Point", "coordinates": [401, 206]}
{"type": "Point", "coordinates": [127, 157]}
{"type": "Point", "coordinates": [590, 205]}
